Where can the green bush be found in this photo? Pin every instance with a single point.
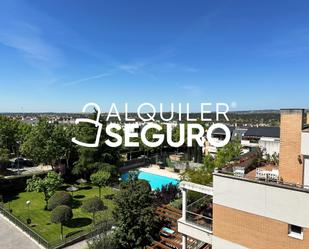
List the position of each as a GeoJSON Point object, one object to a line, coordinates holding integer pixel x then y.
{"type": "Point", "coordinates": [59, 198]}
{"type": "Point", "coordinates": [93, 205]}
{"type": "Point", "coordinates": [60, 215]}
{"type": "Point", "coordinates": [177, 203]}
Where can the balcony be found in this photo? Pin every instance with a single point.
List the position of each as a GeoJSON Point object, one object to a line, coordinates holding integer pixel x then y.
{"type": "Point", "coordinates": [196, 220]}
{"type": "Point", "coordinates": [200, 212]}
{"type": "Point", "coordinates": [199, 220]}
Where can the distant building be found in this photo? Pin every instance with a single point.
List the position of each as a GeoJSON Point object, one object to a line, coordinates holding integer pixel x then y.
{"type": "Point", "coordinates": [266, 138]}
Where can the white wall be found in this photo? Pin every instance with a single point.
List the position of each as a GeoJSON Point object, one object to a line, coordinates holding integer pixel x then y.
{"type": "Point", "coordinates": [248, 143]}
{"type": "Point", "coordinates": [306, 172]}
{"type": "Point", "coordinates": [270, 145]}
{"type": "Point", "coordinates": [305, 143]}
{"type": "Point", "coordinates": [218, 243]}
{"type": "Point", "coordinates": [194, 231]}
{"type": "Point", "coordinates": [290, 206]}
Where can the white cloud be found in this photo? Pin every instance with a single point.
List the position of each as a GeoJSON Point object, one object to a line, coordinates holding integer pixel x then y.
{"type": "Point", "coordinates": [28, 40]}
{"type": "Point", "coordinates": [131, 68]}
{"type": "Point", "coordinates": [75, 82]}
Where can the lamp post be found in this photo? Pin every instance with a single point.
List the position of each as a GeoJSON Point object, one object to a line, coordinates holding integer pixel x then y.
{"type": "Point", "coordinates": [28, 207]}
{"type": "Point", "coordinates": [18, 145]}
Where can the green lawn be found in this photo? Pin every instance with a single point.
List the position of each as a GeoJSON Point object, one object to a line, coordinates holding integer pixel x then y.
{"type": "Point", "coordinates": [41, 218]}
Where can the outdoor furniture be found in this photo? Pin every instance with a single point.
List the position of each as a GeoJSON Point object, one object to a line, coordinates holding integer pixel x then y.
{"type": "Point", "coordinates": [167, 231]}
{"type": "Point", "coordinates": [72, 189]}
{"type": "Point", "coordinates": [239, 171]}
{"type": "Point", "coordinates": [272, 175]}
{"type": "Point", "coordinates": [81, 181]}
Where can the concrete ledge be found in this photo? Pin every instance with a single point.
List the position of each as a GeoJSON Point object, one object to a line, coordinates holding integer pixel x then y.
{"type": "Point", "coordinates": [194, 231]}
{"type": "Point", "coordinates": [207, 190]}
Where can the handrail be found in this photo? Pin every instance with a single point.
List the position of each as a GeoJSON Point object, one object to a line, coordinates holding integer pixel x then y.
{"type": "Point", "coordinates": [199, 220]}
{"type": "Point", "coordinates": [278, 183]}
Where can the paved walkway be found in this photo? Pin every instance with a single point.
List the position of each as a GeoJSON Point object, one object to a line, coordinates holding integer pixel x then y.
{"type": "Point", "coordinates": [79, 245]}
{"type": "Point", "coordinates": [155, 169]}
{"type": "Point", "coordinates": [12, 238]}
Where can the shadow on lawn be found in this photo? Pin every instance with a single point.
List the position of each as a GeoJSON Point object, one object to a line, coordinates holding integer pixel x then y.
{"type": "Point", "coordinates": [79, 196]}
{"type": "Point", "coordinates": [78, 222]}
{"type": "Point", "coordinates": [10, 197]}
{"type": "Point", "coordinates": [76, 203]}
{"type": "Point", "coordinates": [85, 187]}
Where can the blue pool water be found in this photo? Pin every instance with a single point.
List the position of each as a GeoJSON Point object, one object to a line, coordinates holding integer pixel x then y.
{"type": "Point", "coordinates": [155, 181]}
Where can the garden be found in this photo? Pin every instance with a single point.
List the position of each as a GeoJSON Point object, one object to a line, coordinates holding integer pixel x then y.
{"type": "Point", "coordinates": [65, 214]}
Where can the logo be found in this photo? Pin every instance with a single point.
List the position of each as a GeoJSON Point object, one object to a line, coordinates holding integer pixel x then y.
{"type": "Point", "coordinates": [189, 131]}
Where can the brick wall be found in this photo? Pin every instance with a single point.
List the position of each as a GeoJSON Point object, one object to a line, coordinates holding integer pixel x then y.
{"type": "Point", "coordinates": [291, 125]}
{"type": "Point", "coordinates": [254, 231]}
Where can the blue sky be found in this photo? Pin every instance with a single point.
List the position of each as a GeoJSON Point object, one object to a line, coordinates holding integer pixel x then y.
{"type": "Point", "coordinates": [59, 55]}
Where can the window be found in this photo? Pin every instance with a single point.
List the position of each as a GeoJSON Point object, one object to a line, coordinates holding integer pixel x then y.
{"type": "Point", "coordinates": [296, 231]}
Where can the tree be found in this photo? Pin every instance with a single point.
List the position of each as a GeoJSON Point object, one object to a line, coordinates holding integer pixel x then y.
{"type": "Point", "coordinates": [4, 158]}
{"type": "Point", "coordinates": [227, 153]}
{"type": "Point", "coordinates": [49, 143]}
{"type": "Point", "coordinates": [166, 194]}
{"type": "Point", "coordinates": [61, 214]}
{"type": "Point", "coordinates": [37, 144]}
{"type": "Point", "coordinates": [89, 156]}
{"type": "Point", "coordinates": [93, 205]}
{"type": "Point", "coordinates": [203, 175]}
{"type": "Point", "coordinates": [60, 144]}
{"type": "Point", "coordinates": [47, 185]}
{"type": "Point", "coordinates": [59, 198]}
{"type": "Point", "coordinates": [8, 133]}
{"type": "Point", "coordinates": [134, 214]}
{"type": "Point", "coordinates": [100, 179]}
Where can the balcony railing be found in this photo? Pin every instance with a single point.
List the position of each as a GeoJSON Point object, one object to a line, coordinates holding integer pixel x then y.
{"type": "Point", "coordinates": [199, 220]}
{"type": "Point", "coordinates": [281, 183]}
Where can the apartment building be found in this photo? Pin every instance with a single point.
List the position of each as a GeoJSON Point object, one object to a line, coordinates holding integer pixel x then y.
{"type": "Point", "coordinates": [248, 212]}
{"type": "Point", "coordinates": [265, 138]}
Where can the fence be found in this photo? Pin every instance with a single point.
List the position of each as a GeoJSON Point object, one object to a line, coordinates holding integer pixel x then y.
{"type": "Point", "coordinates": [42, 241]}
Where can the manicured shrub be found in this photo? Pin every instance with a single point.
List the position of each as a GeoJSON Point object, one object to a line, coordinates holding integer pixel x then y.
{"type": "Point", "coordinates": [59, 198]}
{"type": "Point", "coordinates": [93, 205]}
{"type": "Point", "coordinates": [100, 179]}
{"type": "Point", "coordinates": [61, 214]}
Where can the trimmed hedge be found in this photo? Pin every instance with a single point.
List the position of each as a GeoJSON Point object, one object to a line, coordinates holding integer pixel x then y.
{"type": "Point", "coordinates": [59, 198]}
{"type": "Point", "coordinates": [61, 214]}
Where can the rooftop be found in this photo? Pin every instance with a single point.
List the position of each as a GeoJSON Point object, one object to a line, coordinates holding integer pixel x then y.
{"type": "Point", "coordinates": [249, 177]}
{"type": "Point", "coordinates": [263, 132]}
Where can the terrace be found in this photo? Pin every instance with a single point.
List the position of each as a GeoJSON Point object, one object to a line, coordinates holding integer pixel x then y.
{"type": "Point", "coordinates": [266, 180]}
{"type": "Point", "coordinates": [196, 220]}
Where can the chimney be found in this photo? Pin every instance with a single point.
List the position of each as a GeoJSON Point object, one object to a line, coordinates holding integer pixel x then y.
{"type": "Point", "coordinates": [290, 160]}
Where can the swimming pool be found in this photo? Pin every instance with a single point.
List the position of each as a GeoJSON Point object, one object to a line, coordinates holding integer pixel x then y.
{"type": "Point", "coordinates": [155, 181]}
